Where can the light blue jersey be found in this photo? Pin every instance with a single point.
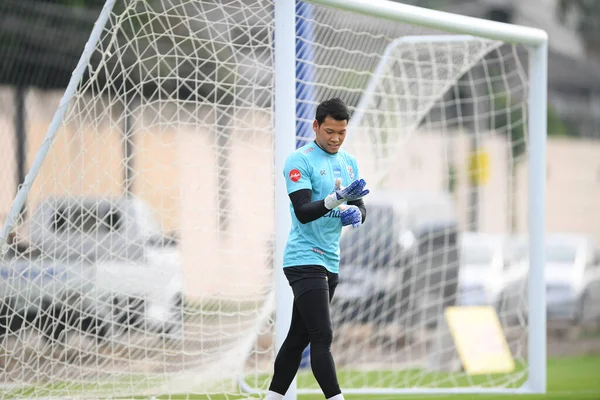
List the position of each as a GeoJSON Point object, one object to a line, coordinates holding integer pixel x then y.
{"type": "Point", "coordinates": [317, 242]}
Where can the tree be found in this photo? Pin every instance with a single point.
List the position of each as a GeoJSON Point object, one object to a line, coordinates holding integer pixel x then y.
{"type": "Point", "coordinates": [41, 41]}
{"type": "Point", "coordinates": [584, 17]}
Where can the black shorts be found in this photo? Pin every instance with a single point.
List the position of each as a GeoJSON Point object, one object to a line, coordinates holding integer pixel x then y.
{"type": "Point", "coordinates": [303, 278]}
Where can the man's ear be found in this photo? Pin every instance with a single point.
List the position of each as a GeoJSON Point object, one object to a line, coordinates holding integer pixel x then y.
{"type": "Point", "coordinates": [315, 125]}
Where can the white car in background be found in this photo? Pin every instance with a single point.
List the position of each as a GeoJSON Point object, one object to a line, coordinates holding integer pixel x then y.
{"type": "Point", "coordinates": [100, 266]}
{"type": "Point", "coordinates": [485, 268]}
{"type": "Point", "coordinates": [572, 278]}
{"type": "Point", "coordinates": [572, 272]}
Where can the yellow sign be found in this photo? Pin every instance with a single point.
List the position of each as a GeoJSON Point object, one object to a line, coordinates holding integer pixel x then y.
{"type": "Point", "coordinates": [479, 340]}
{"type": "Point", "coordinates": [479, 167]}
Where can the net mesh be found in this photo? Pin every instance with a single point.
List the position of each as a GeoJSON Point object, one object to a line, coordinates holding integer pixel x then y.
{"type": "Point", "coordinates": [147, 231]}
{"type": "Point", "coordinates": [438, 128]}
{"type": "Point", "coordinates": [142, 260]}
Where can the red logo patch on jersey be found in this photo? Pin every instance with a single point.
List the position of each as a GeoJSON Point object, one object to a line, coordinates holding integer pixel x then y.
{"type": "Point", "coordinates": [295, 175]}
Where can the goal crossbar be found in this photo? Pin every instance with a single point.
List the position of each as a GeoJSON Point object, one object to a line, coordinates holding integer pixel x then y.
{"type": "Point", "coordinates": [454, 23]}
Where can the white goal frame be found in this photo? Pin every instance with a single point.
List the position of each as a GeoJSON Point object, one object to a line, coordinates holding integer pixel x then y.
{"type": "Point", "coordinates": [285, 119]}
{"type": "Point", "coordinates": [536, 41]}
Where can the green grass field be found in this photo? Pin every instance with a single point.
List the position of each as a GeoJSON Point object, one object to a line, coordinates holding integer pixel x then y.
{"type": "Point", "coordinates": [568, 379]}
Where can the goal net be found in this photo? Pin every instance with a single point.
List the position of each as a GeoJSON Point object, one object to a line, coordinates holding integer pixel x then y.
{"type": "Point", "coordinates": [139, 252]}
{"type": "Point", "coordinates": [439, 130]}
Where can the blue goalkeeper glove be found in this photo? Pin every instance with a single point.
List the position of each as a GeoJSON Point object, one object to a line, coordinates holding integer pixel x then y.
{"type": "Point", "coordinates": [354, 191]}
{"type": "Point", "coordinates": [351, 215]}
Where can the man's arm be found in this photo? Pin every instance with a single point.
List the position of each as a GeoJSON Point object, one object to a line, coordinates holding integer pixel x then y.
{"type": "Point", "coordinates": [305, 209]}
{"type": "Point", "coordinates": [361, 206]}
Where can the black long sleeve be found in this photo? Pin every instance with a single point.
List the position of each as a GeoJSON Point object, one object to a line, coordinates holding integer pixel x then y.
{"type": "Point", "coordinates": [307, 210]}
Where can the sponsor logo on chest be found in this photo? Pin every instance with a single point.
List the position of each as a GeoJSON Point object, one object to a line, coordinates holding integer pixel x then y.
{"type": "Point", "coordinates": [337, 171]}
{"type": "Point", "coordinates": [350, 172]}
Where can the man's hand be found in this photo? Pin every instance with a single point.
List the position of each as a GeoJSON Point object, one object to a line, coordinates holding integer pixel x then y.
{"type": "Point", "coordinates": [354, 191]}
{"type": "Point", "coordinates": [350, 215]}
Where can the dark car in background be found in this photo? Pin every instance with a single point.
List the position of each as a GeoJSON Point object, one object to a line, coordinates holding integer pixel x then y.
{"type": "Point", "coordinates": [402, 264]}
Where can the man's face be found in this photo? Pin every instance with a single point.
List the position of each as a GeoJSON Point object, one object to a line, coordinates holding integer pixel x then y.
{"type": "Point", "coordinates": [330, 134]}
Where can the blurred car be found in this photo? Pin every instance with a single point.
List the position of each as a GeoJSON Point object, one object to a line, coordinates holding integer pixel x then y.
{"type": "Point", "coordinates": [572, 278]}
{"type": "Point", "coordinates": [98, 266]}
{"type": "Point", "coordinates": [484, 265]}
{"type": "Point", "coordinates": [572, 272]}
{"type": "Point", "coordinates": [589, 307]}
{"type": "Point", "coordinates": [401, 265]}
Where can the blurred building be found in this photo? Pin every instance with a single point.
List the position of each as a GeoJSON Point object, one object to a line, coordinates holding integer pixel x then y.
{"type": "Point", "coordinates": [573, 68]}
{"type": "Point", "coordinates": [43, 41]}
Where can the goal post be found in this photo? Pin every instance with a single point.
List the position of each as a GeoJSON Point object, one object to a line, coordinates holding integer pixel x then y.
{"type": "Point", "coordinates": [535, 43]}
{"type": "Point", "coordinates": [168, 281]}
{"type": "Point", "coordinates": [285, 143]}
{"type": "Point", "coordinates": [538, 60]}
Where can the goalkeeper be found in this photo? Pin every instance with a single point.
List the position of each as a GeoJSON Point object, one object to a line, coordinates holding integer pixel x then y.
{"type": "Point", "coordinates": [326, 194]}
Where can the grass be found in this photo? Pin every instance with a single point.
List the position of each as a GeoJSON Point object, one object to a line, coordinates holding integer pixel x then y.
{"type": "Point", "coordinates": [571, 378]}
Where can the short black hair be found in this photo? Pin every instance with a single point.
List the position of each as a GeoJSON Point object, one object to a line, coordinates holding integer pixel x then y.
{"type": "Point", "coordinates": [334, 108]}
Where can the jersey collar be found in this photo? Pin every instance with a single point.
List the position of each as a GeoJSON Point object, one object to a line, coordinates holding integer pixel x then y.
{"type": "Point", "coordinates": [319, 149]}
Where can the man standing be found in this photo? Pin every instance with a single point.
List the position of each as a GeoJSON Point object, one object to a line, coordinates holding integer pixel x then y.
{"type": "Point", "coordinates": [326, 193]}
